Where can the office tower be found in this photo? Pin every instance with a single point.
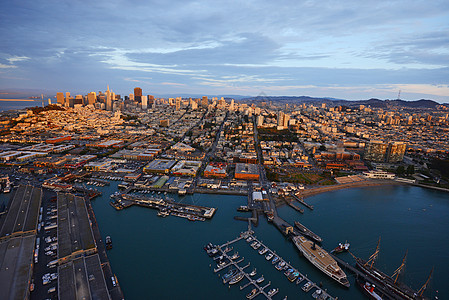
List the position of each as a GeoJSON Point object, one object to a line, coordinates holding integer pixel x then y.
{"type": "Point", "coordinates": [78, 100]}
{"type": "Point", "coordinates": [231, 106]}
{"type": "Point", "coordinates": [138, 94]}
{"type": "Point", "coordinates": [285, 120]}
{"type": "Point", "coordinates": [60, 98]}
{"type": "Point", "coordinates": [151, 101]}
{"type": "Point", "coordinates": [49, 101]}
{"type": "Point", "coordinates": [108, 99]}
{"type": "Point", "coordinates": [257, 111]}
{"type": "Point", "coordinates": [178, 103]}
{"type": "Point", "coordinates": [376, 151]}
{"type": "Point", "coordinates": [396, 151]}
{"type": "Point", "coordinates": [193, 104]}
{"type": "Point", "coordinates": [204, 101]}
{"type": "Point", "coordinates": [259, 120]}
{"type": "Point", "coordinates": [91, 98]}
{"type": "Point", "coordinates": [280, 120]}
{"type": "Point", "coordinates": [222, 102]}
{"type": "Point", "coordinates": [67, 99]}
{"type": "Point", "coordinates": [144, 102]}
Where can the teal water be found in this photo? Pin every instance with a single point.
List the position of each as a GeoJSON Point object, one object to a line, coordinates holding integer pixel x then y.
{"type": "Point", "coordinates": [162, 258]}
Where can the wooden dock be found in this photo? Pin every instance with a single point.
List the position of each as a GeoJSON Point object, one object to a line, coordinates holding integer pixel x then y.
{"type": "Point", "coordinates": [260, 290]}
{"type": "Point", "coordinates": [301, 200]}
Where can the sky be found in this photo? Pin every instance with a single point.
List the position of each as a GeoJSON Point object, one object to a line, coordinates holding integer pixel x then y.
{"type": "Point", "coordinates": [347, 49]}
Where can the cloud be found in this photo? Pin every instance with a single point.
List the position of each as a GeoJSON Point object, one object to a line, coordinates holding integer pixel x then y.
{"type": "Point", "coordinates": [282, 47]}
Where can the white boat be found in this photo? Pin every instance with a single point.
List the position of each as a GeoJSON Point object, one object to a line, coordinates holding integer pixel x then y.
{"type": "Point", "coordinates": [236, 278]}
{"type": "Point", "coordinates": [269, 256]}
{"type": "Point", "coordinates": [273, 292]}
{"type": "Point", "coordinates": [321, 259]}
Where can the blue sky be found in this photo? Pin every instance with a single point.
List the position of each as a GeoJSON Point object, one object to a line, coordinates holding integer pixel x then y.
{"type": "Point", "coordinates": [342, 49]}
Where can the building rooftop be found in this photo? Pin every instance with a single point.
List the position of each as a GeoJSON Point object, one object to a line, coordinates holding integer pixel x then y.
{"type": "Point", "coordinates": [82, 278]}
{"type": "Point", "coordinates": [16, 256]}
{"type": "Point", "coordinates": [23, 212]}
{"type": "Point", "coordinates": [74, 231]}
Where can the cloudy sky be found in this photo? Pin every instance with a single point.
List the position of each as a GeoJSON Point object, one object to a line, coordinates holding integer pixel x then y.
{"type": "Point", "coordinates": [347, 49]}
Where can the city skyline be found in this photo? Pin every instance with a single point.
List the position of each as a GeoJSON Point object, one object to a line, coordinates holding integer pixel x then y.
{"type": "Point", "coordinates": [347, 50]}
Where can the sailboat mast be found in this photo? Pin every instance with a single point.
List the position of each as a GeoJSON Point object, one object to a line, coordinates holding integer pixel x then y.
{"type": "Point", "coordinates": [423, 288]}
{"type": "Point", "coordinates": [373, 257]}
{"type": "Point", "coordinates": [399, 270]}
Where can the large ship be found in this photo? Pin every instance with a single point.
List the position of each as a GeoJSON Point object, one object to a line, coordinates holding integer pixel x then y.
{"type": "Point", "coordinates": [321, 259]}
{"type": "Point", "coordinates": [390, 282]}
{"type": "Point", "coordinates": [307, 232]}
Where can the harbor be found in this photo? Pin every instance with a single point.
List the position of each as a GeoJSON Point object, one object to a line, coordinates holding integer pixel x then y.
{"type": "Point", "coordinates": [227, 206]}
{"type": "Point", "coordinates": [227, 262]}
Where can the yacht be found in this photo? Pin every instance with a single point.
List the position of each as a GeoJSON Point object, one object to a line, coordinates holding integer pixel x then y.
{"type": "Point", "coordinates": [273, 292]}
{"type": "Point", "coordinates": [252, 294]}
{"type": "Point", "coordinates": [236, 278]}
{"type": "Point", "coordinates": [260, 279]}
{"type": "Point", "coordinates": [263, 251]}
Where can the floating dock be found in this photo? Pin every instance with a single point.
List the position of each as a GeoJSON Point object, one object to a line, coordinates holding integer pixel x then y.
{"type": "Point", "coordinates": [248, 235]}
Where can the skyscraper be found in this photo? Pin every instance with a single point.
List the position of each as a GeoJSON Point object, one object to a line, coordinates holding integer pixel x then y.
{"type": "Point", "coordinates": [204, 101]}
{"type": "Point", "coordinates": [138, 94]}
{"type": "Point", "coordinates": [91, 98]}
{"type": "Point", "coordinates": [259, 120]}
{"type": "Point", "coordinates": [60, 98]}
{"type": "Point", "coordinates": [108, 99]}
{"type": "Point", "coordinates": [144, 102]}
{"type": "Point", "coordinates": [396, 151]}
{"type": "Point", "coordinates": [285, 120]}
{"type": "Point", "coordinates": [375, 151]}
{"type": "Point", "coordinates": [280, 120]}
{"type": "Point", "coordinates": [67, 99]}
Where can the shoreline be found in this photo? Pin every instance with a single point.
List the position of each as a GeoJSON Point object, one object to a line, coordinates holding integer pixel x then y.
{"type": "Point", "coordinates": [367, 183]}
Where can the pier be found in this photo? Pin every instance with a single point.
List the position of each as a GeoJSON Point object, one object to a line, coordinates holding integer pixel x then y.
{"type": "Point", "coordinates": [260, 289]}
{"type": "Point", "coordinates": [301, 200]}
{"type": "Point", "coordinates": [290, 203]}
{"type": "Point", "coordinates": [189, 211]}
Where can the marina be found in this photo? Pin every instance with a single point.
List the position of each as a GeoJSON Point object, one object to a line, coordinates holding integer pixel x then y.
{"type": "Point", "coordinates": [291, 273]}
{"type": "Point", "coordinates": [227, 206]}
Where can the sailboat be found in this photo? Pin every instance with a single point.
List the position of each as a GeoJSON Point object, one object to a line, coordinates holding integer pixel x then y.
{"type": "Point", "coordinates": [391, 283]}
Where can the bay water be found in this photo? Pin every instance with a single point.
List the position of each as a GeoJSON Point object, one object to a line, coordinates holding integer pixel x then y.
{"type": "Point", "coordinates": [163, 258]}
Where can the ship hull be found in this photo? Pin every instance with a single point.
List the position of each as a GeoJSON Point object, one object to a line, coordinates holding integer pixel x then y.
{"type": "Point", "coordinates": [341, 278]}
{"type": "Point", "coordinates": [381, 278]}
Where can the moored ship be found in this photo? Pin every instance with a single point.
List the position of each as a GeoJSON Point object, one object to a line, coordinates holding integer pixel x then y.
{"type": "Point", "coordinates": [369, 290]}
{"type": "Point", "coordinates": [307, 232]}
{"type": "Point", "coordinates": [391, 283]}
{"type": "Point", "coordinates": [108, 242]}
{"type": "Point", "coordinates": [341, 248]}
{"type": "Point", "coordinates": [321, 259]}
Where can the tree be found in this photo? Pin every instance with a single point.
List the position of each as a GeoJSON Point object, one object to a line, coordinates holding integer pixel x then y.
{"type": "Point", "coordinates": [411, 169]}
{"type": "Point", "coordinates": [400, 170]}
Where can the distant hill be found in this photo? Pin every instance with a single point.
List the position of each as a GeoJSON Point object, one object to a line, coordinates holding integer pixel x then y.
{"type": "Point", "coordinates": [373, 102]}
